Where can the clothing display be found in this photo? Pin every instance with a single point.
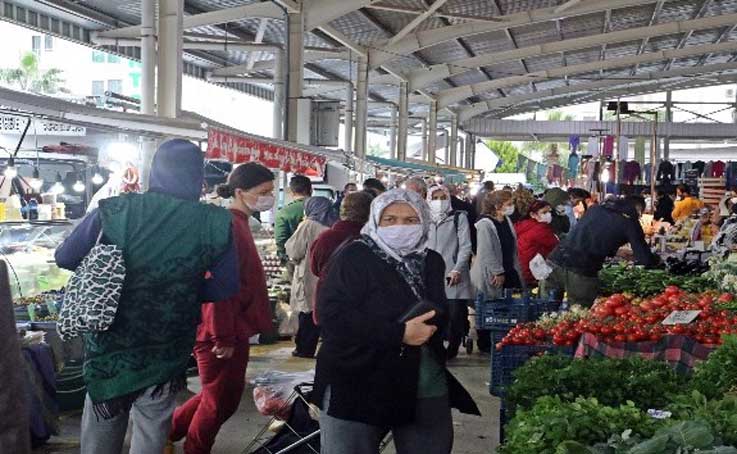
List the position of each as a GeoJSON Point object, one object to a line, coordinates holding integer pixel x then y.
{"type": "Point", "coordinates": [640, 150]}
{"type": "Point", "coordinates": [593, 146]}
{"type": "Point", "coordinates": [699, 165]}
{"type": "Point", "coordinates": [623, 148]}
{"type": "Point", "coordinates": [666, 172]}
{"type": "Point", "coordinates": [631, 172]}
{"type": "Point", "coordinates": [574, 142]}
{"type": "Point", "coordinates": [717, 169]}
{"type": "Point", "coordinates": [608, 147]}
{"type": "Point", "coordinates": [573, 161]}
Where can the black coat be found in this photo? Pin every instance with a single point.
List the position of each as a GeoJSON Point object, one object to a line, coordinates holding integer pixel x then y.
{"type": "Point", "coordinates": [598, 235]}
{"type": "Point", "coordinates": [372, 375]}
{"type": "Point", "coordinates": [664, 209]}
{"type": "Point", "coordinates": [461, 205]}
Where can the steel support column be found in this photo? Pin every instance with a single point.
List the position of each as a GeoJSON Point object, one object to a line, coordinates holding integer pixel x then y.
{"type": "Point", "coordinates": [403, 130]}
{"type": "Point", "coordinates": [453, 142]}
{"type": "Point", "coordinates": [432, 132]}
{"type": "Point", "coordinates": [470, 150]}
{"type": "Point", "coordinates": [279, 95]}
{"type": "Point", "coordinates": [296, 74]}
{"type": "Point", "coordinates": [169, 93]}
{"type": "Point", "coordinates": [462, 153]}
{"type": "Point", "coordinates": [361, 107]}
{"type": "Point", "coordinates": [423, 131]}
{"type": "Point", "coordinates": [148, 57]}
{"type": "Point", "coordinates": [668, 119]}
{"type": "Point", "coordinates": [348, 118]}
{"type": "Point", "coordinates": [393, 134]}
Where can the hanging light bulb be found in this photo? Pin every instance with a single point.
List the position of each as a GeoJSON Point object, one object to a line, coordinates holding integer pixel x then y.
{"type": "Point", "coordinates": [58, 187]}
{"type": "Point", "coordinates": [97, 179]}
{"type": "Point", "coordinates": [10, 170]}
{"type": "Point", "coordinates": [78, 186]}
{"type": "Point", "coordinates": [36, 183]}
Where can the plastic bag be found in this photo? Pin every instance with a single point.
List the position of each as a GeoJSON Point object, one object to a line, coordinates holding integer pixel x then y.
{"type": "Point", "coordinates": [288, 320]}
{"type": "Point", "coordinates": [539, 268]}
{"type": "Point", "coordinates": [273, 389]}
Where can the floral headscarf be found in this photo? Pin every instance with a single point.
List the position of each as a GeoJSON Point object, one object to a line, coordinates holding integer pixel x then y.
{"type": "Point", "coordinates": [410, 263]}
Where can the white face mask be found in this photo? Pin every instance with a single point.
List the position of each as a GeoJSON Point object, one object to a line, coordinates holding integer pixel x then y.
{"type": "Point", "coordinates": [546, 218]}
{"type": "Point", "coordinates": [508, 211]}
{"type": "Point", "coordinates": [439, 207]}
{"type": "Point", "coordinates": [263, 203]}
{"type": "Point", "coordinates": [401, 238]}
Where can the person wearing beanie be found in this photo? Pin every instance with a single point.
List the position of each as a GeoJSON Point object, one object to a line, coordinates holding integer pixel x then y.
{"type": "Point", "coordinates": [134, 370]}
{"type": "Point", "coordinates": [535, 236]}
{"type": "Point", "coordinates": [560, 201]}
{"type": "Point", "coordinates": [354, 213]}
{"type": "Point", "coordinates": [222, 347]}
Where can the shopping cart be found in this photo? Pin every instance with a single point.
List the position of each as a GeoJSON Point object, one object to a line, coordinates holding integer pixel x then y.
{"type": "Point", "coordinates": [299, 433]}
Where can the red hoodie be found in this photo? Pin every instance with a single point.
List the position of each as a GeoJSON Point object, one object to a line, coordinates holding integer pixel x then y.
{"type": "Point", "coordinates": [236, 319]}
{"type": "Point", "coordinates": [533, 238]}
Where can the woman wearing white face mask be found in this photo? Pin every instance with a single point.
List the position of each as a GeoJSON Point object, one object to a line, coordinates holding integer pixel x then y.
{"type": "Point", "coordinates": [535, 236]}
{"type": "Point", "coordinates": [376, 371]}
{"type": "Point", "coordinates": [222, 347]}
{"type": "Point", "coordinates": [450, 236]}
{"type": "Point", "coordinates": [496, 266]}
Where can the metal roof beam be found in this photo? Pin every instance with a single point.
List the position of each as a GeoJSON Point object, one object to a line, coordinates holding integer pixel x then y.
{"type": "Point", "coordinates": [311, 56]}
{"type": "Point", "coordinates": [656, 12]}
{"type": "Point", "coordinates": [414, 23]}
{"type": "Point", "coordinates": [423, 77]}
{"type": "Point", "coordinates": [416, 12]}
{"type": "Point", "coordinates": [426, 38]}
{"type": "Point", "coordinates": [724, 34]}
{"type": "Point", "coordinates": [602, 85]}
{"type": "Point", "coordinates": [263, 10]}
{"type": "Point", "coordinates": [702, 10]}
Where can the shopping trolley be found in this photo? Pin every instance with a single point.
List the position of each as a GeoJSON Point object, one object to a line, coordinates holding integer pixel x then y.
{"type": "Point", "coordinates": [295, 429]}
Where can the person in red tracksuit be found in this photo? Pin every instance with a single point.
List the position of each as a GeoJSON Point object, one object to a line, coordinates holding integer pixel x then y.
{"type": "Point", "coordinates": [222, 347]}
{"type": "Point", "coordinates": [535, 236]}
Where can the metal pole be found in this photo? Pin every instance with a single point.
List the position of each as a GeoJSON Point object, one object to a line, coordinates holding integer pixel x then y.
{"type": "Point", "coordinates": [279, 92]}
{"type": "Point", "coordinates": [462, 153]}
{"type": "Point", "coordinates": [453, 142]}
{"type": "Point", "coordinates": [296, 74]}
{"type": "Point", "coordinates": [348, 118]}
{"type": "Point", "coordinates": [424, 139]}
{"type": "Point", "coordinates": [653, 152]}
{"type": "Point", "coordinates": [169, 93]}
{"type": "Point", "coordinates": [403, 121]}
{"type": "Point", "coordinates": [361, 106]}
{"type": "Point", "coordinates": [393, 135]}
{"type": "Point", "coordinates": [619, 139]}
{"type": "Point", "coordinates": [432, 140]}
{"type": "Point", "coordinates": [668, 120]}
{"type": "Point", "coordinates": [446, 149]}
{"type": "Point", "coordinates": [148, 57]}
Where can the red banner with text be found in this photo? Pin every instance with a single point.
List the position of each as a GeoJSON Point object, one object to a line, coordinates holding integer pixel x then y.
{"type": "Point", "coordinates": [240, 149]}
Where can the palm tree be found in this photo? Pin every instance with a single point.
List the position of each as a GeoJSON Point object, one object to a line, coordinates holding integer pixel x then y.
{"type": "Point", "coordinates": [29, 76]}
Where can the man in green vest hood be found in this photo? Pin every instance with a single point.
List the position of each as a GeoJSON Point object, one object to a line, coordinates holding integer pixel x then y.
{"type": "Point", "coordinates": [169, 242]}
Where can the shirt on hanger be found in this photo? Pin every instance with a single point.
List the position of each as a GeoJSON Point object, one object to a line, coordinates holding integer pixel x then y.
{"type": "Point", "coordinates": [666, 172]}
{"type": "Point", "coordinates": [623, 148]}
{"type": "Point", "coordinates": [573, 161]}
{"type": "Point", "coordinates": [608, 150]}
{"type": "Point", "coordinates": [593, 146]}
{"type": "Point", "coordinates": [699, 165]}
{"type": "Point", "coordinates": [718, 168]}
{"type": "Point", "coordinates": [574, 142]}
{"type": "Point", "coordinates": [640, 150]}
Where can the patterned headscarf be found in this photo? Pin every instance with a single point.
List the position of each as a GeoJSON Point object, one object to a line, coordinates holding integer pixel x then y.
{"type": "Point", "coordinates": [410, 263]}
{"type": "Point", "coordinates": [439, 187]}
{"type": "Point", "coordinates": [320, 209]}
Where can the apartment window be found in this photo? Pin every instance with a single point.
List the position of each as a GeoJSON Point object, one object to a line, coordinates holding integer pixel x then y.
{"type": "Point", "coordinates": [113, 58]}
{"type": "Point", "coordinates": [135, 79]}
{"type": "Point", "coordinates": [48, 43]}
{"type": "Point", "coordinates": [36, 43]}
{"type": "Point", "coordinates": [98, 57]}
{"type": "Point", "coordinates": [115, 86]}
{"type": "Point", "coordinates": [98, 88]}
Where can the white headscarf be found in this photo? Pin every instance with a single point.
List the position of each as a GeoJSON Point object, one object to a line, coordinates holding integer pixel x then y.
{"type": "Point", "coordinates": [378, 206]}
{"type": "Point", "coordinates": [439, 187]}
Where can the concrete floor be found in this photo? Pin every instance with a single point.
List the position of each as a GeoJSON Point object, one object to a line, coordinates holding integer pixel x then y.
{"type": "Point", "coordinates": [473, 435]}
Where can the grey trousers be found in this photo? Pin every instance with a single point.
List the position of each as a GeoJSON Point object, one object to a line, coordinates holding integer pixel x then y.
{"type": "Point", "coordinates": [151, 419]}
{"type": "Point", "coordinates": [430, 433]}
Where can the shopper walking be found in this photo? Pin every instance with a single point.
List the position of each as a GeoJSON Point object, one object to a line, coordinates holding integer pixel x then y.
{"type": "Point", "coordinates": [561, 202]}
{"type": "Point", "coordinates": [222, 347]}
{"type": "Point", "coordinates": [664, 207]}
{"type": "Point", "coordinates": [418, 185]}
{"type": "Point", "coordinates": [374, 186]}
{"type": "Point", "coordinates": [579, 257]}
{"type": "Point", "coordinates": [318, 218]}
{"type": "Point", "coordinates": [354, 213]}
{"type": "Point", "coordinates": [450, 236]}
{"type": "Point", "coordinates": [376, 372]}
{"type": "Point", "coordinates": [137, 366]}
{"type": "Point", "coordinates": [535, 236]}
{"type": "Point", "coordinates": [685, 204]}
{"type": "Point", "coordinates": [496, 266]}
{"type": "Point", "coordinates": [522, 199]}
{"type": "Point", "coordinates": [289, 217]}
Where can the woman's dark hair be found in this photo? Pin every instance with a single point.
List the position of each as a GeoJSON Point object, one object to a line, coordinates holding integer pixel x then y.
{"type": "Point", "coordinates": [375, 184]}
{"type": "Point", "coordinates": [245, 177]}
{"type": "Point", "coordinates": [300, 185]}
{"type": "Point", "coordinates": [579, 193]}
{"type": "Point", "coordinates": [356, 207]}
{"type": "Point", "coordinates": [684, 189]}
{"type": "Point", "coordinates": [493, 200]}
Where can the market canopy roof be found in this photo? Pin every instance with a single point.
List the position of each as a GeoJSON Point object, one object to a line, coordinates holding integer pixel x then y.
{"type": "Point", "coordinates": [453, 175]}
{"type": "Point", "coordinates": [477, 58]}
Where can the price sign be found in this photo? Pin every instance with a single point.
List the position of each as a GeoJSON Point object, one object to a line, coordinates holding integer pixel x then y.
{"type": "Point", "coordinates": [681, 317]}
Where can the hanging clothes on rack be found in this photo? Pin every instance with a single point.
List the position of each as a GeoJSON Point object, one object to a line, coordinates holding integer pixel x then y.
{"type": "Point", "coordinates": [593, 147]}
{"type": "Point", "coordinates": [640, 150]}
{"type": "Point", "coordinates": [717, 170]}
{"type": "Point", "coordinates": [708, 170]}
{"type": "Point", "coordinates": [623, 148]}
{"type": "Point", "coordinates": [632, 172]}
{"type": "Point", "coordinates": [699, 165]}
{"type": "Point", "coordinates": [730, 176]}
{"type": "Point", "coordinates": [573, 161]}
{"type": "Point", "coordinates": [608, 149]}
{"type": "Point", "coordinates": [666, 173]}
{"type": "Point", "coordinates": [574, 142]}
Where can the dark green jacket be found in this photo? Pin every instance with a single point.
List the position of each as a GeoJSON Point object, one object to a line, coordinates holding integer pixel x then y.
{"type": "Point", "coordinates": [167, 255]}
{"type": "Point", "coordinates": [287, 220]}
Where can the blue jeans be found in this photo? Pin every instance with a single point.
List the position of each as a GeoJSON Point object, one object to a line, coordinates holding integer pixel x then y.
{"type": "Point", "coordinates": [151, 418]}
{"type": "Point", "coordinates": [430, 433]}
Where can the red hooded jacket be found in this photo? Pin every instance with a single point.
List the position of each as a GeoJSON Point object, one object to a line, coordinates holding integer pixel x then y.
{"type": "Point", "coordinates": [235, 320]}
{"type": "Point", "coordinates": [533, 238]}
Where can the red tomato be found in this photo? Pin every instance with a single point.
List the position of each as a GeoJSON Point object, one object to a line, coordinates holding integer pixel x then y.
{"type": "Point", "coordinates": [620, 338]}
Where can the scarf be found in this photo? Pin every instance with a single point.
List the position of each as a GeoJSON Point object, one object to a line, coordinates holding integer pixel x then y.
{"type": "Point", "coordinates": [320, 209]}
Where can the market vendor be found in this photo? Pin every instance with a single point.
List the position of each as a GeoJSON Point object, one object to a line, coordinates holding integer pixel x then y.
{"type": "Point", "coordinates": [579, 257]}
{"type": "Point", "coordinates": [685, 204]}
{"type": "Point", "coordinates": [289, 217]}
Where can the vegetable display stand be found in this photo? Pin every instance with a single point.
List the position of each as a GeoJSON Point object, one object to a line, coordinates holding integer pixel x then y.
{"type": "Point", "coordinates": [681, 352]}
{"type": "Point", "coordinates": [513, 308]}
{"type": "Point", "coordinates": [505, 361]}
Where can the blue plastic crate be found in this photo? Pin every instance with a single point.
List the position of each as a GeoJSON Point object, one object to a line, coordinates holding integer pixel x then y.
{"type": "Point", "coordinates": [505, 361]}
{"type": "Point", "coordinates": [502, 421]}
{"type": "Point", "coordinates": [505, 313]}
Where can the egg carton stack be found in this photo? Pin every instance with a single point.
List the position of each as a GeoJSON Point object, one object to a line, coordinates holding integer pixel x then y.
{"type": "Point", "coordinates": [272, 266]}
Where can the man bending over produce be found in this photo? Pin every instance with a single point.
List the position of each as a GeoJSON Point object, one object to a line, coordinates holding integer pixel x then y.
{"type": "Point", "coordinates": [599, 234]}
